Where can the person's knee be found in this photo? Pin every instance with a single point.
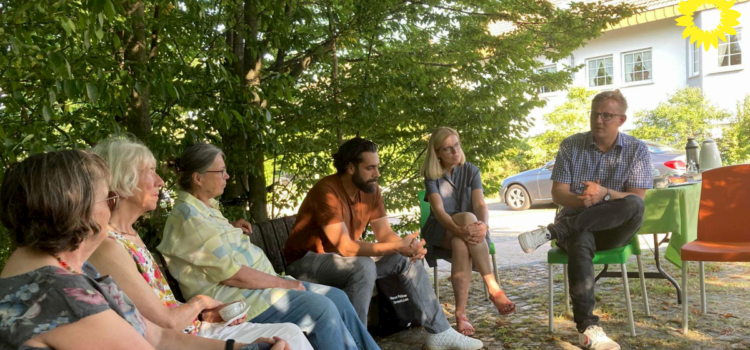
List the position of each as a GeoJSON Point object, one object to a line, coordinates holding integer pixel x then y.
{"type": "Point", "coordinates": [319, 307]}
{"type": "Point", "coordinates": [364, 270]}
{"type": "Point", "coordinates": [465, 218]}
{"type": "Point", "coordinates": [635, 204]}
{"type": "Point", "coordinates": [459, 245]}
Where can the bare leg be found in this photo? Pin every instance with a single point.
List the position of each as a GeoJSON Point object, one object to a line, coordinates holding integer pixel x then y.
{"type": "Point", "coordinates": [460, 279]}
{"type": "Point", "coordinates": [479, 254]}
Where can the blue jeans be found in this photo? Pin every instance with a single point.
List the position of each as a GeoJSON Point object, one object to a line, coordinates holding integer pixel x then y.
{"type": "Point", "coordinates": [325, 315]}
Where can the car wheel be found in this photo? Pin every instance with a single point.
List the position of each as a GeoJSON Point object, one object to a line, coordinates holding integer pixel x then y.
{"type": "Point", "coordinates": [517, 198]}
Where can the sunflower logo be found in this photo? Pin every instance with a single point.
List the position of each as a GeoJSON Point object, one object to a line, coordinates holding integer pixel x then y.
{"type": "Point", "coordinates": [708, 38]}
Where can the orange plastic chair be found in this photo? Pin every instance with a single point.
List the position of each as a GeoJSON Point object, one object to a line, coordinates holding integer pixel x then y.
{"type": "Point", "coordinates": [723, 226]}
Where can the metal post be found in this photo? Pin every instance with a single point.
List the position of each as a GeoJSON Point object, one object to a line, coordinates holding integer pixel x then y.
{"type": "Point", "coordinates": [566, 284]}
{"type": "Point", "coordinates": [703, 286]}
{"type": "Point", "coordinates": [684, 298]}
{"type": "Point", "coordinates": [494, 266]}
{"type": "Point", "coordinates": [437, 290]}
{"type": "Point", "coordinates": [629, 305]}
{"type": "Point", "coordinates": [643, 285]}
{"type": "Point", "coordinates": [550, 307]}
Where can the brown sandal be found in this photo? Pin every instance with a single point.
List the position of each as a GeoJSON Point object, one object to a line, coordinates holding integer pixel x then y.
{"type": "Point", "coordinates": [507, 308]}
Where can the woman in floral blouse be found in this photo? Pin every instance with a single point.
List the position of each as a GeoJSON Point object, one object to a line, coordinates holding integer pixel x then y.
{"type": "Point", "coordinates": [125, 257]}
{"type": "Point", "coordinates": [55, 206]}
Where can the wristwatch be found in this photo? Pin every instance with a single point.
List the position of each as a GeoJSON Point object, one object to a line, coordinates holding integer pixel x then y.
{"type": "Point", "coordinates": [607, 196]}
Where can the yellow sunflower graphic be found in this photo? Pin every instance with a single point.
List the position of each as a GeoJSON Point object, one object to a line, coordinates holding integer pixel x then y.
{"type": "Point", "coordinates": [708, 38]}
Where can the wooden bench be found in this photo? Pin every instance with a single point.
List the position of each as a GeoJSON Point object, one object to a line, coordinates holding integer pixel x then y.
{"type": "Point", "coordinates": [269, 236]}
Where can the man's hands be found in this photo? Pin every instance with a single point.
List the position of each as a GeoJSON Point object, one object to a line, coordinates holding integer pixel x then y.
{"type": "Point", "coordinates": [412, 248]}
{"type": "Point", "coordinates": [593, 193]}
{"type": "Point", "coordinates": [244, 225]}
{"type": "Point", "coordinates": [475, 233]}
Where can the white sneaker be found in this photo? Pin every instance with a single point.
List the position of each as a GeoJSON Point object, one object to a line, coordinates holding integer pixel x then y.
{"type": "Point", "coordinates": [533, 239]}
{"type": "Point", "coordinates": [452, 340]}
{"type": "Point", "coordinates": [594, 338]}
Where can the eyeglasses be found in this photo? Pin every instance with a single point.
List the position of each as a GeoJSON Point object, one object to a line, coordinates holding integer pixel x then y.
{"type": "Point", "coordinates": [605, 116]}
{"type": "Point", "coordinates": [222, 172]}
{"type": "Point", "coordinates": [112, 199]}
{"type": "Point", "coordinates": [454, 149]}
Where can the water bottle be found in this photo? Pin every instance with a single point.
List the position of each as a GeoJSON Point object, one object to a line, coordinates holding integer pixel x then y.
{"type": "Point", "coordinates": [691, 153]}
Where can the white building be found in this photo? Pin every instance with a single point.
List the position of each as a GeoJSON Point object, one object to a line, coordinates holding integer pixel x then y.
{"type": "Point", "coordinates": [646, 58]}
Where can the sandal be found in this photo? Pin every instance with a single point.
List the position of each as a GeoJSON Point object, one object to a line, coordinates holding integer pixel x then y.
{"type": "Point", "coordinates": [506, 308]}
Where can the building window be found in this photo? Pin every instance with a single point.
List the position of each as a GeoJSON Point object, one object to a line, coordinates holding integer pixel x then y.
{"type": "Point", "coordinates": [695, 63]}
{"type": "Point", "coordinates": [600, 71]}
{"type": "Point", "coordinates": [637, 66]}
{"type": "Point", "coordinates": [545, 89]}
{"type": "Point", "coordinates": [730, 53]}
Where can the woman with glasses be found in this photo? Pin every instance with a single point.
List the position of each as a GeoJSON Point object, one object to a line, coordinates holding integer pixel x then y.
{"type": "Point", "coordinates": [124, 256]}
{"type": "Point", "coordinates": [56, 206]}
{"type": "Point", "coordinates": [458, 219]}
{"type": "Point", "coordinates": [208, 255]}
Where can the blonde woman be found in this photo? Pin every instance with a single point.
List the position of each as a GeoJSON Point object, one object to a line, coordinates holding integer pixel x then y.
{"type": "Point", "coordinates": [458, 219]}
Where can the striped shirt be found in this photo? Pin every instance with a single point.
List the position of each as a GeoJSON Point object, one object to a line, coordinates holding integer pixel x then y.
{"type": "Point", "coordinates": [627, 165]}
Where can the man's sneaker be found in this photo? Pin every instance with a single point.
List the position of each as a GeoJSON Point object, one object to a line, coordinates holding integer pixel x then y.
{"type": "Point", "coordinates": [594, 338]}
{"type": "Point", "coordinates": [533, 239]}
{"type": "Point", "coordinates": [452, 340]}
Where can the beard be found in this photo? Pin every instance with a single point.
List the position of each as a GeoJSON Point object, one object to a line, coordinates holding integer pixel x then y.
{"type": "Point", "coordinates": [368, 187]}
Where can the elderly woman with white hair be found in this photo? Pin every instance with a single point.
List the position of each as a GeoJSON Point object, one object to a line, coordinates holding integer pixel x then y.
{"type": "Point", "coordinates": [125, 257]}
{"type": "Point", "coordinates": [458, 220]}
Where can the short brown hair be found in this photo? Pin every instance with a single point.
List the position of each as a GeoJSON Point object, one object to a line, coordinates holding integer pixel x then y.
{"type": "Point", "coordinates": [615, 95]}
{"type": "Point", "coordinates": [47, 200]}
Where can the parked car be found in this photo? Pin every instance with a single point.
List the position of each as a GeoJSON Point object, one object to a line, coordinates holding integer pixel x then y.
{"type": "Point", "coordinates": [522, 190]}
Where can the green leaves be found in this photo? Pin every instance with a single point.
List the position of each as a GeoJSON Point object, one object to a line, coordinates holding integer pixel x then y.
{"type": "Point", "coordinates": [685, 114]}
{"type": "Point", "coordinates": [68, 25]}
{"type": "Point", "coordinates": [403, 69]}
{"type": "Point", "coordinates": [92, 92]}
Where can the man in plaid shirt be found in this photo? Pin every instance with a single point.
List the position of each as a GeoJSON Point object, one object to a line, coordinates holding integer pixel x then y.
{"type": "Point", "coordinates": [600, 179]}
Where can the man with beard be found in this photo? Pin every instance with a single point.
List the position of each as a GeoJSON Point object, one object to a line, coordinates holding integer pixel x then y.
{"type": "Point", "coordinates": [325, 244]}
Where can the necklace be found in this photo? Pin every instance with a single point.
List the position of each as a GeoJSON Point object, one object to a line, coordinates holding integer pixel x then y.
{"type": "Point", "coordinates": [64, 264]}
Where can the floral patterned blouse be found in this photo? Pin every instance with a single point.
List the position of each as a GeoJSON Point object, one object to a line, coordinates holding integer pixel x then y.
{"type": "Point", "coordinates": [38, 301]}
{"type": "Point", "coordinates": [150, 271]}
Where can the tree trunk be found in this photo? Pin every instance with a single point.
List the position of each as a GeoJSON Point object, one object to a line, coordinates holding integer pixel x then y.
{"type": "Point", "coordinates": [247, 154]}
{"type": "Point", "coordinates": [137, 116]}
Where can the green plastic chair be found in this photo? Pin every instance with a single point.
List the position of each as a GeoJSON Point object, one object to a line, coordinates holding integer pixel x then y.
{"type": "Point", "coordinates": [431, 258]}
{"type": "Point", "coordinates": [617, 256]}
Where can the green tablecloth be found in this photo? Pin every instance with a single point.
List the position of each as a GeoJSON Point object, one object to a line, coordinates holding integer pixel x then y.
{"type": "Point", "coordinates": [674, 210]}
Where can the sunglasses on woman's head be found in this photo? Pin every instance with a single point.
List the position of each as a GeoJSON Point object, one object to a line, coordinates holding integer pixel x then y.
{"type": "Point", "coordinates": [111, 199]}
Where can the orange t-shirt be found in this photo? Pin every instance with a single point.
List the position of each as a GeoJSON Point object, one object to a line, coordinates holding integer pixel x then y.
{"type": "Point", "coordinates": [327, 203]}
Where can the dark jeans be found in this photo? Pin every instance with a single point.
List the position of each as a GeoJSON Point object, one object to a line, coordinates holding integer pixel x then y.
{"type": "Point", "coordinates": [605, 226]}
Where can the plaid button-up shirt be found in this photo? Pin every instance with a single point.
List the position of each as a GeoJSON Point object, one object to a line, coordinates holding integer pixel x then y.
{"type": "Point", "coordinates": [627, 165]}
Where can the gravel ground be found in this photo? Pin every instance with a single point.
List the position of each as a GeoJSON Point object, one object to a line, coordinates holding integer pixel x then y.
{"type": "Point", "coordinates": [725, 326]}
